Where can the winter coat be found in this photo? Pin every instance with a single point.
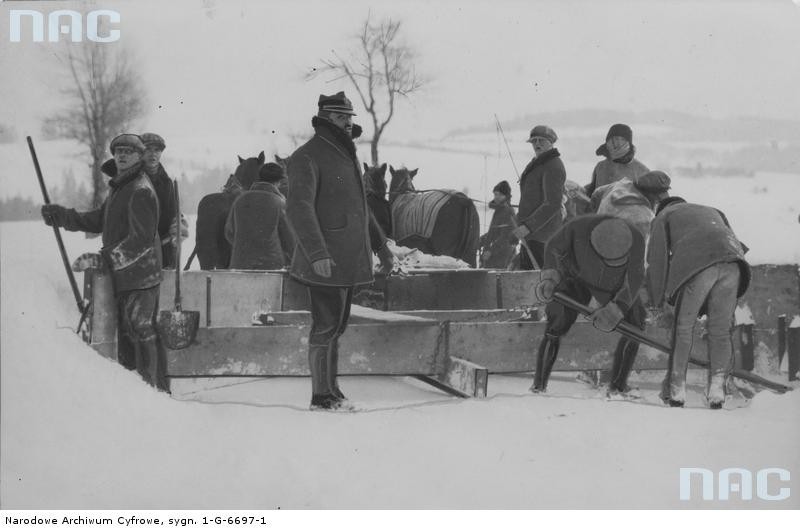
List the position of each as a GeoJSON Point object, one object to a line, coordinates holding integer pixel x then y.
{"type": "Point", "coordinates": [258, 230]}
{"type": "Point", "coordinates": [165, 191]}
{"type": "Point", "coordinates": [570, 252]}
{"type": "Point", "coordinates": [684, 240]}
{"type": "Point", "coordinates": [624, 200]}
{"type": "Point", "coordinates": [609, 171]}
{"type": "Point", "coordinates": [327, 207]}
{"type": "Point", "coordinates": [498, 242]}
{"type": "Point", "coordinates": [128, 220]}
{"type": "Point", "coordinates": [542, 189]}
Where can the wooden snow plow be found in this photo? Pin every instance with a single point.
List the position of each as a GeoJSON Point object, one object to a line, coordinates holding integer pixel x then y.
{"type": "Point", "coordinates": [450, 328]}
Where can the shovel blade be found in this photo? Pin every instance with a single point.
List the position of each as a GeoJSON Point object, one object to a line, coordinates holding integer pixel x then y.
{"type": "Point", "coordinates": [178, 329]}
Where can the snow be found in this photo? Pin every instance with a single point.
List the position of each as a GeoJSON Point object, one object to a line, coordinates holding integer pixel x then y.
{"type": "Point", "coordinates": [795, 322]}
{"type": "Point", "coordinates": [743, 315]}
{"type": "Point", "coordinates": [80, 432]}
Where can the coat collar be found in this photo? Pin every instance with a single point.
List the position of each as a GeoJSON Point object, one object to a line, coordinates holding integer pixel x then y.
{"type": "Point", "coordinates": [541, 160]}
{"type": "Point", "coordinates": [124, 177]}
{"type": "Point", "coordinates": [266, 186]}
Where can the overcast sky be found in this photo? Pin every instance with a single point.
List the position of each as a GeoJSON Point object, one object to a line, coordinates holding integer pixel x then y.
{"type": "Point", "coordinates": [237, 66]}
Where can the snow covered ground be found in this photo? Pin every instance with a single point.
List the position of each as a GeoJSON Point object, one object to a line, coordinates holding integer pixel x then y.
{"type": "Point", "coordinates": [80, 432]}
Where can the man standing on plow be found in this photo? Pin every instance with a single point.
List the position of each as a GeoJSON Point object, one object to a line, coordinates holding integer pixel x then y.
{"type": "Point", "coordinates": [128, 220]}
{"type": "Point", "coordinates": [327, 207]}
{"type": "Point", "coordinates": [596, 256]}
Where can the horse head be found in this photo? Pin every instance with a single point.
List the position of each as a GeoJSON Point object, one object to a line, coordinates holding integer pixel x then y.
{"type": "Point", "coordinates": [247, 171]}
{"type": "Point", "coordinates": [402, 180]}
{"type": "Point", "coordinates": [375, 180]}
{"type": "Point", "coordinates": [283, 162]}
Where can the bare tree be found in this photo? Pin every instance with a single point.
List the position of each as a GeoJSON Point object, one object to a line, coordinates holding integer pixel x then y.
{"type": "Point", "coordinates": [105, 97]}
{"type": "Point", "coordinates": [381, 69]}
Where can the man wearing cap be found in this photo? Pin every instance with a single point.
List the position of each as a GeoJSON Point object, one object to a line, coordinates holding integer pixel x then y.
{"type": "Point", "coordinates": [497, 245]}
{"type": "Point", "coordinates": [696, 264]}
{"type": "Point", "coordinates": [541, 191]}
{"type": "Point", "coordinates": [165, 190]}
{"type": "Point", "coordinates": [257, 227]}
{"type": "Point", "coordinates": [327, 208]}
{"type": "Point", "coordinates": [596, 256]}
{"type": "Point", "coordinates": [128, 220]}
{"type": "Point", "coordinates": [633, 200]}
{"type": "Point", "coordinates": [620, 161]}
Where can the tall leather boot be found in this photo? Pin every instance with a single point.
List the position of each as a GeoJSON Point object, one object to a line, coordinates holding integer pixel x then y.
{"type": "Point", "coordinates": [624, 357]}
{"type": "Point", "coordinates": [333, 369]}
{"type": "Point", "coordinates": [545, 359]}
{"type": "Point", "coordinates": [321, 396]}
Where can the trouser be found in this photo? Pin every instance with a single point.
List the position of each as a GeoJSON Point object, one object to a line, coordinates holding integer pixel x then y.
{"type": "Point", "coordinates": [139, 347]}
{"type": "Point", "coordinates": [330, 311]}
{"type": "Point", "coordinates": [537, 249]}
{"type": "Point", "coordinates": [716, 286]}
{"type": "Point", "coordinates": [559, 321]}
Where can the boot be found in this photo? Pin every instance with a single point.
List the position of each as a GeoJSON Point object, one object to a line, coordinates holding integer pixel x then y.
{"type": "Point", "coordinates": [624, 357]}
{"type": "Point", "coordinates": [716, 391]}
{"type": "Point", "coordinates": [545, 359]}
{"type": "Point", "coordinates": [333, 370]}
{"type": "Point", "coordinates": [154, 370]}
{"type": "Point", "coordinates": [318, 366]}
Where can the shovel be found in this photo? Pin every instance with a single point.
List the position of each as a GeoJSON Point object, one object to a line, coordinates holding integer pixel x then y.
{"type": "Point", "coordinates": [178, 328]}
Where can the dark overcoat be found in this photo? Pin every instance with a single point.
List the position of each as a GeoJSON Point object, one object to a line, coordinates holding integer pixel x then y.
{"type": "Point", "coordinates": [128, 220]}
{"type": "Point", "coordinates": [684, 240]}
{"type": "Point", "coordinates": [327, 208]}
{"type": "Point", "coordinates": [258, 230]}
{"type": "Point", "coordinates": [542, 189]}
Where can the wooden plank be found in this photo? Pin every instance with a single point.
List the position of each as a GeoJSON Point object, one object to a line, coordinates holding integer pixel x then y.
{"type": "Point", "coordinates": [517, 288]}
{"type": "Point", "coordinates": [102, 318]}
{"type": "Point", "coordinates": [466, 315]}
{"type": "Point", "coordinates": [410, 292]}
{"type": "Point", "coordinates": [235, 295]}
{"type": "Point", "coordinates": [511, 346]}
{"type": "Point", "coordinates": [375, 315]}
{"type": "Point", "coordinates": [377, 349]}
{"type": "Point", "coordinates": [466, 377]}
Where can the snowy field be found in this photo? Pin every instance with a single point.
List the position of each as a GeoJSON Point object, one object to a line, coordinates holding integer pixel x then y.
{"type": "Point", "coordinates": [80, 432]}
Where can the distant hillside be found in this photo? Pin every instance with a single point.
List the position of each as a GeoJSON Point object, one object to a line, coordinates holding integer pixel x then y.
{"type": "Point", "coordinates": [688, 127]}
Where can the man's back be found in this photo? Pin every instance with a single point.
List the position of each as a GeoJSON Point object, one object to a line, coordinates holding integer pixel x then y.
{"type": "Point", "coordinates": [253, 229]}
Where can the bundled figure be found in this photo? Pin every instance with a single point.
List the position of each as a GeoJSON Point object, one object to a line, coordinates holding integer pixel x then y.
{"type": "Point", "coordinates": [696, 264]}
{"type": "Point", "coordinates": [620, 162]}
{"type": "Point", "coordinates": [497, 245]}
{"type": "Point", "coordinates": [128, 220]}
{"type": "Point", "coordinates": [165, 191]}
{"type": "Point", "coordinates": [327, 207]}
{"type": "Point", "coordinates": [541, 195]}
{"type": "Point", "coordinates": [633, 200]}
{"type": "Point", "coordinates": [257, 227]}
{"type": "Point", "coordinates": [592, 256]}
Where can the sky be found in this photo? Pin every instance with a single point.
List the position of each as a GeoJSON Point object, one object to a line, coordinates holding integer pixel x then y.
{"type": "Point", "coordinates": [229, 67]}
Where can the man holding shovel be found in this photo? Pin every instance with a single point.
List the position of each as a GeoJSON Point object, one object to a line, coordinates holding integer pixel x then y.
{"type": "Point", "coordinates": [596, 256]}
{"type": "Point", "coordinates": [128, 220]}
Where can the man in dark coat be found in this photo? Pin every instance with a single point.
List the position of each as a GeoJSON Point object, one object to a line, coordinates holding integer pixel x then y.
{"type": "Point", "coordinates": [165, 190]}
{"type": "Point", "coordinates": [497, 245]}
{"type": "Point", "coordinates": [596, 256]}
{"type": "Point", "coordinates": [620, 162]}
{"type": "Point", "coordinates": [327, 207]}
{"type": "Point", "coordinates": [696, 264]}
{"type": "Point", "coordinates": [128, 220]}
{"type": "Point", "coordinates": [257, 227]}
{"type": "Point", "coordinates": [542, 189]}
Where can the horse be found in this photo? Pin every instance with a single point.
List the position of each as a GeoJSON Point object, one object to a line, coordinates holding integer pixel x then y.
{"type": "Point", "coordinates": [438, 222]}
{"type": "Point", "coordinates": [375, 186]}
{"type": "Point", "coordinates": [213, 250]}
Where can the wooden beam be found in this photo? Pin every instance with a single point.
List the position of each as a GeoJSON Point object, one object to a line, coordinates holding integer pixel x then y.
{"type": "Point", "coordinates": [377, 349]}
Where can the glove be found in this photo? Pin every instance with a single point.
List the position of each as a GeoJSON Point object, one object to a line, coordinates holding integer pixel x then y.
{"type": "Point", "coordinates": [548, 281]}
{"type": "Point", "coordinates": [88, 260]}
{"type": "Point", "coordinates": [172, 238]}
{"type": "Point", "coordinates": [607, 317]}
{"type": "Point", "coordinates": [322, 267]}
{"type": "Point", "coordinates": [387, 259]}
{"type": "Point", "coordinates": [54, 215]}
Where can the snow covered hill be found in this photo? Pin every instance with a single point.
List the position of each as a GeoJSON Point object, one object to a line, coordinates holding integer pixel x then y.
{"type": "Point", "coordinates": [78, 431]}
